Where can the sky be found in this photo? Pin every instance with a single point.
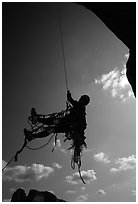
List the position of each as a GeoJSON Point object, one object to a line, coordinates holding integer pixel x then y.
{"type": "Point", "coordinates": [33, 76]}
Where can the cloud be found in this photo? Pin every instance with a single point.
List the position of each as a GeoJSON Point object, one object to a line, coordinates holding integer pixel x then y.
{"type": "Point", "coordinates": [6, 200]}
{"type": "Point", "coordinates": [116, 83]}
{"type": "Point", "coordinates": [114, 170]}
{"type": "Point", "coordinates": [3, 163]}
{"type": "Point", "coordinates": [56, 165]}
{"type": "Point", "coordinates": [58, 146]}
{"type": "Point", "coordinates": [88, 150]}
{"type": "Point", "coordinates": [88, 176]}
{"type": "Point", "coordinates": [82, 198]}
{"type": "Point", "coordinates": [52, 192]}
{"type": "Point", "coordinates": [127, 56]}
{"type": "Point", "coordinates": [133, 193]}
{"type": "Point", "coordinates": [63, 150]}
{"type": "Point", "coordinates": [124, 164]}
{"type": "Point", "coordinates": [58, 143]}
{"type": "Point", "coordinates": [100, 192]}
{"type": "Point", "coordinates": [70, 191]}
{"type": "Point", "coordinates": [27, 173]}
{"type": "Point", "coordinates": [83, 188]}
{"type": "Point", "coordinates": [12, 190]}
{"type": "Point", "coordinates": [112, 186]}
{"type": "Point", "coordinates": [101, 158]}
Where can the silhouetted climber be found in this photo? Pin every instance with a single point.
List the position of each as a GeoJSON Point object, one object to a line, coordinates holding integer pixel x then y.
{"type": "Point", "coordinates": [72, 122]}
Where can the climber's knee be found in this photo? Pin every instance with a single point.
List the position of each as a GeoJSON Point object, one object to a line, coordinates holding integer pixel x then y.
{"type": "Point", "coordinates": [44, 133]}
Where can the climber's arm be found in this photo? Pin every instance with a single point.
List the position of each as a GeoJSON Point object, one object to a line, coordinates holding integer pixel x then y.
{"type": "Point", "coordinates": [70, 99]}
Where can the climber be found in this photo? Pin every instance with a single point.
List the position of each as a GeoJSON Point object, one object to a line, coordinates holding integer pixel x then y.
{"type": "Point", "coordinates": [74, 121]}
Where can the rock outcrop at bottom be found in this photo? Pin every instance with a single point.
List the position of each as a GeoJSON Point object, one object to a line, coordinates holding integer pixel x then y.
{"type": "Point", "coordinates": [34, 196]}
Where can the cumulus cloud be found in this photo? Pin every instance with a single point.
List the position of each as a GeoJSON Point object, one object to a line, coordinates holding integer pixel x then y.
{"type": "Point", "coordinates": [101, 192]}
{"type": "Point", "coordinates": [83, 188]}
{"type": "Point", "coordinates": [101, 157]}
{"type": "Point", "coordinates": [58, 143]}
{"type": "Point", "coordinates": [124, 164]}
{"type": "Point", "coordinates": [13, 190]}
{"type": "Point", "coordinates": [70, 191]}
{"type": "Point", "coordinates": [87, 150]}
{"type": "Point", "coordinates": [52, 192]}
{"type": "Point", "coordinates": [56, 165]}
{"type": "Point", "coordinates": [133, 193]}
{"type": "Point", "coordinates": [63, 150]}
{"type": "Point", "coordinates": [114, 170]}
{"type": "Point", "coordinates": [82, 198]}
{"type": "Point", "coordinates": [7, 200]}
{"type": "Point", "coordinates": [26, 173]}
{"type": "Point", "coordinates": [117, 83]}
{"type": "Point", "coordinates": [58, 146]}
{"type": "Point", "coordinates": [3, 163]}
{"type": "Point", "coordinates": [88, 176]}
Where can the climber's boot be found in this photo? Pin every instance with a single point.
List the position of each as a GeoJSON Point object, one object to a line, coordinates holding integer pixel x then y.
{"type": "Point", "coordinates": [28, 135]}
{"type": "Point", "coordinates": [34, 117]}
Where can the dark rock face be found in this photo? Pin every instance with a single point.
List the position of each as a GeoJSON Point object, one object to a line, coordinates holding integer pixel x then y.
{"type": "Point", "coordinates": [131, 70]}
{"type": "Point", "coordinates": [116, 15]}
{"type": "Point", "coordinates": [19, 196]}
{"type": "Point", "coordinates": [34, 196]}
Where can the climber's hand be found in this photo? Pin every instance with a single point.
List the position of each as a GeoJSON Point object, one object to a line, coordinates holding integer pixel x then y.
{"type": "Point", "coordinates": [68, 94]}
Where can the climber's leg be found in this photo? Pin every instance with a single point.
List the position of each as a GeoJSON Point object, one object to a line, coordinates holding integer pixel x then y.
{"type": "Point", "coordinates": [82, 139]}
{"type": "Point", "coordinates": [46, 121]}
{"type": "Point", "coordinates": [30, 136]}
{"type": "Point", "coordinates": [37, 118]}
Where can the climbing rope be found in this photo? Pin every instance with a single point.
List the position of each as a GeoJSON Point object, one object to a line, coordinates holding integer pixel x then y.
{"type": "Point", "coordinates": [37, 148]}
{"type": "Point", "coordinates": [62, 46]}
{"type": "Point", "coordinates": [81, 175]}
{"type": "Point", "coordinates": [76, 158]}
{"type": "Point", "coordinates": [15, 157]}
{"type": "Point", "coordinates": [8, 163]}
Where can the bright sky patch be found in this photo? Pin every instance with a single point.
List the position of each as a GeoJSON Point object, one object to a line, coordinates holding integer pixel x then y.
{"type": "Point", "coordinates": [101, 192]}
{"type": "Point", "coordinates": [57, 165]}
{"type": "Point", "coordinates": [88, 176]}
{"type": "Point", "coordinates": [116, 83]}
{"type": "Point", "coordinates": [70, 191]}
{"type": "Point", "coordinates": [125, 163]}
{"type": "Point", "coordinates": [101, 157]}
{"type": "Point", "coordinates": [82, 198]}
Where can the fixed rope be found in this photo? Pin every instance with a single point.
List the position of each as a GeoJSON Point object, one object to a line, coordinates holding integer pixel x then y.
{"type": "Point", "coordinates": [37, 148]}
{"type": "Point", "coordinates": [62, 46]}
{"type": "Point", "coordinates": [8, 163]}
{"type": "Point", "coordinates": [16, 155]}
{"type": "Point", "coordinates": [25, 145]}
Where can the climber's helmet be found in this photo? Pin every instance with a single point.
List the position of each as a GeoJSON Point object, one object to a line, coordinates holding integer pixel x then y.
{"type": "Point", "coordinates": [84, 100]}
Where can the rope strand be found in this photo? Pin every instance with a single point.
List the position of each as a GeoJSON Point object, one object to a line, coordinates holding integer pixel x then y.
{"type": "Point", "coordinates": [62, 44]}
{"type": "Point", "coordinates": [8, 163]}
{"type": "Point", "coordinates": [16, 155]}
{"type": "Point", "coordinates": [37, 148]}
